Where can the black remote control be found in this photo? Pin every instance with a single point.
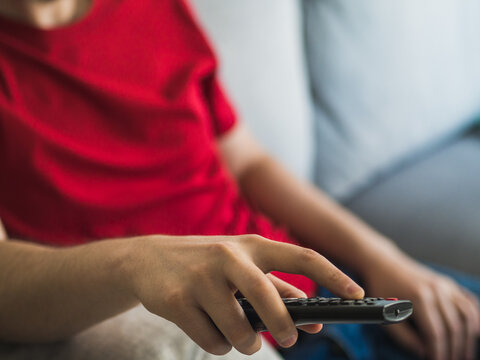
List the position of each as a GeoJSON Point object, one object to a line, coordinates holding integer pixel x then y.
{"type": "Point", "coordinates": [320, 310]}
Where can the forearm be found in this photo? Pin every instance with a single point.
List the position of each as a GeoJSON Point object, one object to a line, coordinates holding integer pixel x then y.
{"type": "Point", "coordinates": [317, 221]}
{"type": "Point", "coordinates": [48, 294]}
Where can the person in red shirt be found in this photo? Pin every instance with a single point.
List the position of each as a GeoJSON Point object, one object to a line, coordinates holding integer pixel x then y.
{"type": "Point", "coordinates": [113, 127]}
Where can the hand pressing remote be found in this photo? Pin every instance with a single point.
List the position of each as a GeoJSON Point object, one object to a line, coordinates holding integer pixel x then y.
{"type": "Point", "coordinates": [319, 310]}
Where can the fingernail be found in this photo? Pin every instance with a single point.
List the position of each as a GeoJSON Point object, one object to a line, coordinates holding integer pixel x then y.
{"type": "Point", "coordinates": [353, 289]}
{"type": "Point", "coordinates": [289, 341]}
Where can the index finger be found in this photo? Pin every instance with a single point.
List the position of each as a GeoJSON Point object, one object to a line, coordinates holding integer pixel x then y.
{"type": "Point", "coordinates": [271, 255]}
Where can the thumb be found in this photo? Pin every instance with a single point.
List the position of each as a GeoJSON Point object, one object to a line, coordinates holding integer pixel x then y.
{"type": "Point", "coordinates": [405, 335]}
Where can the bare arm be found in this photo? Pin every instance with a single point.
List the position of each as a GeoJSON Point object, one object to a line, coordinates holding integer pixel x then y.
{"type": "Point", "coordinates": [317, 221]}
{"type": "Point", "coordinates": [47, 294]}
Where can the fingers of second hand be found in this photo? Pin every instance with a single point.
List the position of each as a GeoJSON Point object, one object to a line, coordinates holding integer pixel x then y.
{"type": "Point", "coordinates": [266, 301]}
{"type": "Point", "coordinates": [297, 260]}
{"type": "Point", "coordinates": [475, 312]}
{"type": "Point", "coordinates": [468, 308]}
{"type": "Point", "coordinates": [454, 323]}
{"type": "Point", "coordinates": [406, 336]}
{"type": "Point", "coordinates": [431, 324]}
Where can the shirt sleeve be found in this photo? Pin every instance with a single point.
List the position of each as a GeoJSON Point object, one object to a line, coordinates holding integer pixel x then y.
{"type": "Point", "coordinates": [223, 116]}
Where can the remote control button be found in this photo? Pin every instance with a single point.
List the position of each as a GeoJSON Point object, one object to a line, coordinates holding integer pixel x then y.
{"type": "Point", "coordinates": [347, 302]}
{"type": "Point", "coordinates": [391, 299]}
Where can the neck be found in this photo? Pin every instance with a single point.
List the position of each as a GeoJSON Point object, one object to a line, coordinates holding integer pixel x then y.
{"type": "Point", "coordinates": [44, 14]}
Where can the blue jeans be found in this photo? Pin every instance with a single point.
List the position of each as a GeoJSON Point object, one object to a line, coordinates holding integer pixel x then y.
{"type": "Point", "coordinates": [361, 342]}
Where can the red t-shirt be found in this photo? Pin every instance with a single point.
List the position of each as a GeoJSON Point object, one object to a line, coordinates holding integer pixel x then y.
{"type": "Point", "coordinates": [108, 129]}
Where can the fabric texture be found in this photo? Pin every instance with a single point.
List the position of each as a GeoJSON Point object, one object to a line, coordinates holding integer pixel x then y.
{"type": "Point", "coordinates": [389, 79]}
{"type": "Point", "coordinates": [108, 129]}
{"type": "Point", "coordinates": [134, 335]}
{"type": "Point", "coordinates": [430, 208]}
{"type": "Point", "coordinates": [260, 45]}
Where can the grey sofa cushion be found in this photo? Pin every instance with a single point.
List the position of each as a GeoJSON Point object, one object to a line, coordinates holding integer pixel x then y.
{"type": "Point", "coordinates": [389, 78]}
{"type": "Point", "coordinates": [432, 208]}
{"type": "Point", "coordinates": [260, 46]}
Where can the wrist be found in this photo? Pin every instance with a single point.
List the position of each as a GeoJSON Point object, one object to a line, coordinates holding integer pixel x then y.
{"type": "Point", "coordinates": [382, 255]}
{"type": "Point", "coordinates": [389, 257]}
{"type": "Point", "coordinates": [124, 265]}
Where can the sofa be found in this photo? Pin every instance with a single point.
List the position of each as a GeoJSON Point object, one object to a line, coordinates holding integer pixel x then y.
{"type": "Point", "coordinates": [375, 101]}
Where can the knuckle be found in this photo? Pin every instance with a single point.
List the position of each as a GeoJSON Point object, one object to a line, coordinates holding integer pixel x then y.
{"type": "Point", "coordinates": [421, 294]}
{"type": "Point", "coordinates": [245, 342]}
{"type": "Point", "coordinates": [446, 281]}
{"type": "Point", "coordinates": [222, 249]}
{"type": "Point", "coordinates": [201, 270]}
{"type": "Point", "coordinates": [175, 299]}
{"type": "Point", "coordinates": [256, 237]}
{"type": "Point", "coordinates": [309, 255]}
{"type": "Point", "coordinates": [252, 239]}
{"type": "Point", "coordinates": [252, 349]}
{"type": "Point", "coordinates": [473, 298]}
{"type": "Point", "coordinates": [470, 322]}
{"type": "Point", "coordinates": [468, 300]}
{"type": "Point", "coordinates": [216, 347]}
{"type": "Point", "coordinates": [237, 262]}
{"type": "Point", "coordinates": [455, 329]}
{"type": "Point", "coordinates": [475, 305]}
{"type": "Point", "coordinates": [335, 276]}
{"type": "Point", "coordinates": [437, 335]}
{"type": "Point", "coordinates": [260, 286]}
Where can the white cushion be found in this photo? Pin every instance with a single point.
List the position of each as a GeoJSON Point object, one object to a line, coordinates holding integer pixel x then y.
{"type": "Point", "coordinates": [390, 78]}
{"type": "Point", "coordinates": [134, 335]}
